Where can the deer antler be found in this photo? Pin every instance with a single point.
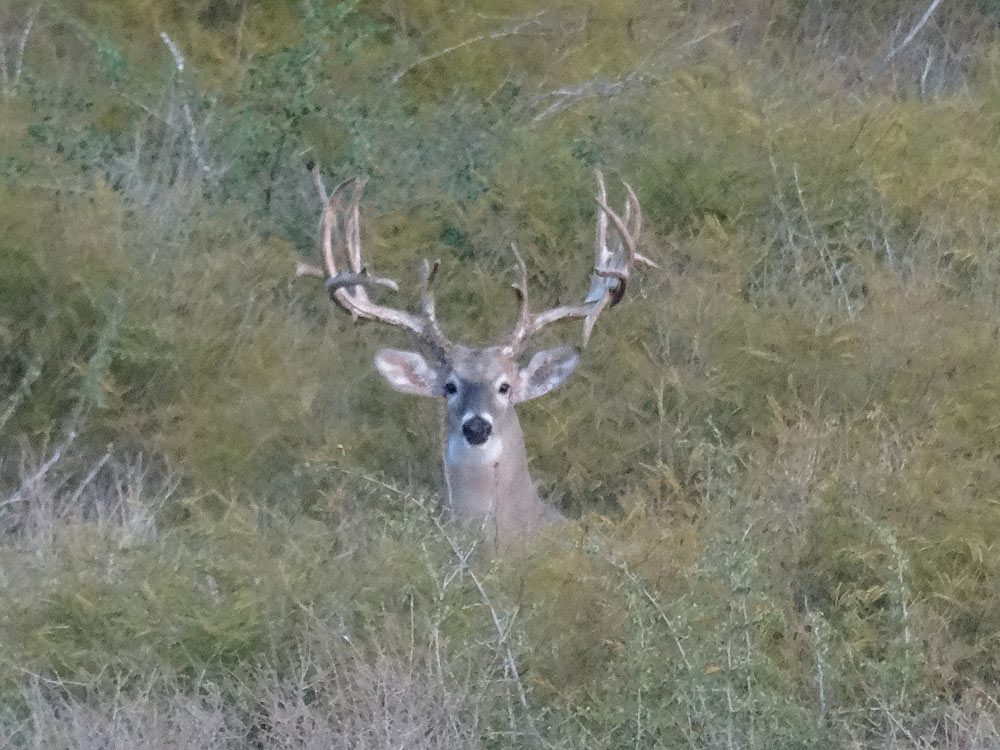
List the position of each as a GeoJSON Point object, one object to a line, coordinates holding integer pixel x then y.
{"type": "Point", "coordinates": [349, 287]}
{"type": "Point", "coordinates": [613, 265]}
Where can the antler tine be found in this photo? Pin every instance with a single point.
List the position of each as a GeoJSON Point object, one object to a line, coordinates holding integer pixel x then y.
{"type": "Point", "coordinates": [317, 180]}
{"type": "Point", "coordinates": [328, 226]}
{"type": "Point", "coordinates": [612, 269]}
{"type": "Point", "coordinates": [432, 331]}
{"type": "Point", "coordinates": [348, 287]}
{"type": "Point", "coordinates": [357, 279]}
{"type": "Point", "coordinates": [601, 253]}
{"type": "Point", "coordinates": [354, 227]}
{"type": "Point", "coordinates": [331, 227]}
{"type": "Point", "coordinates": [633, 206]}
{"type": "Point", "coordinates": [521, 292]}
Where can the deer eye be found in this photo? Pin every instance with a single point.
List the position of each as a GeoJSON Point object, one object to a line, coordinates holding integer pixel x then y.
{"type": "Point", "coordinates": [504, 388]}
{"type": "Point", "coordinates": [450, 389]}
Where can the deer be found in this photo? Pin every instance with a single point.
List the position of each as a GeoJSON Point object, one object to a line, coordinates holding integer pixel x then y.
{"type": "Point", "coordinates": [486, 476]}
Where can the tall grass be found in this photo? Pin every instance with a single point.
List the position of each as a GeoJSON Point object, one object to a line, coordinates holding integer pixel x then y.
{"type": "Point", "coordinates": [217, 528]}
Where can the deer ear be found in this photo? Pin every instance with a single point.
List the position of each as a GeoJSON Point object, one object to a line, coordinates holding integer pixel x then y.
{"type": "Point", "coordinates": [407, 372]}
{"type": "Point", "coordinates": [546, 370]}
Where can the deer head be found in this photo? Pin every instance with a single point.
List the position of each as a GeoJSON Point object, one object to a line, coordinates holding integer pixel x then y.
{"type": "Point", "coordinates": [486, 468]}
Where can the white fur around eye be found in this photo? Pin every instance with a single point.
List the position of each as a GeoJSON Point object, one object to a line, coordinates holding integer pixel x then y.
{"type": "Point", "coordinates": [498, 386]}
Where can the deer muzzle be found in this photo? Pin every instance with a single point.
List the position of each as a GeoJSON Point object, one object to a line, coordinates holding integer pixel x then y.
{"type": "Point", "coordinates": [476, 430]}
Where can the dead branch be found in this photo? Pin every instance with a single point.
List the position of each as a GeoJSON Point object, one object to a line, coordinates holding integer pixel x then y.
{"type": "Point", "coordinates": [914, 31]}
{"type": "Point", "coordinates": [35, 478]}
{"type": "Point", "coordinates": [8, 79]}
{"type": "Point", "coordinates": [568, 96]}
{"type": "Point", "coordinates": [179, 63]}
{"type": "Point", "coordinates": [512, 30]}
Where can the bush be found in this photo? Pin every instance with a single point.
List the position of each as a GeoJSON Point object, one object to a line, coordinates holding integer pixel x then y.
{"type": "Point", "coordinates": [216, 523]}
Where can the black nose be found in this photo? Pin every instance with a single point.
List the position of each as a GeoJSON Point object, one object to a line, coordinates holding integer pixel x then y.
{"type": "Point", "coordinates": [476, 430]}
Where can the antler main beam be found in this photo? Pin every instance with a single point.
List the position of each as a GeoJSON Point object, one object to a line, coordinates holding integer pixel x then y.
{"type": "Point", "coordinates": [613, 266]}
{"type": "Point", "coordinates": [348, 280]}
{"type": "Point", "coordinates": [348, 286]}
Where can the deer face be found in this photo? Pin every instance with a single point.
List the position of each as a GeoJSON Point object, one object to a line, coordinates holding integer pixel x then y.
{"type": "Point", "coordinates": [480, 388]}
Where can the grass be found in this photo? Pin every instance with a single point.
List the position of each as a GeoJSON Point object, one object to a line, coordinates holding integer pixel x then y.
{"type": "Point", "coordinates": [217, 528]}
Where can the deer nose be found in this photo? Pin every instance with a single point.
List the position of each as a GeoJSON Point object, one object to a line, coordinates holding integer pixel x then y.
{"type": "Point", "coordinates": [476, 430]}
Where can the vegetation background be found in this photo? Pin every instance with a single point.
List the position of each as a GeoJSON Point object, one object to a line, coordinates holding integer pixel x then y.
{"type": "Point", "coordinates": [217, 525]}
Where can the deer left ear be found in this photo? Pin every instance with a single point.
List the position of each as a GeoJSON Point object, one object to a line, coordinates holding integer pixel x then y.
{"type": "Point", "coordinates": [407, 372]}
{"type": "Point", "coordinates": [546, 371]}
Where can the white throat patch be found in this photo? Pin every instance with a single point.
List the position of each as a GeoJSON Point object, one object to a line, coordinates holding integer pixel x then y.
{"type": "Point", "coordinates": [459, 452]}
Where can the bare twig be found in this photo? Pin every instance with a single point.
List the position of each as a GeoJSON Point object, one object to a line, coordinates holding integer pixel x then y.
{"type": "Point", "coordinates": [914, 31]}
{"type": "Point", "coordinates": [824, 254]}
{"type": "Point", "coordinates": [512, 30]}
{"type": "Point", "coordinates": [927, 69]}
{"type": "Point", "coordinates": [564, 97]}
{"type": "Point", "coordinates": [31, 481]}
{"type": "Point", "coordinates": [567, 96]}
{"type": "Point", "coordinates": [179, 63]}
{"type": "Point", "coordinates": [22, 391]}
{"type": "Point", "coordinates": [22, 43]}
{"type": "Point", "coordinates": [818, 624]}
{"type": "Point", "coordinates": [174, 50]}
{"type": "Point", "coordinates": [4, 75]}
{"type": "Point", "coordinates": [9, 79]}
{"type": "Point", "coordinates": [89, 478]}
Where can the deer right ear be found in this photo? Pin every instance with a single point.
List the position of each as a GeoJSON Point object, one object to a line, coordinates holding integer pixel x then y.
{"type": "Point", "coordinates": [545, 371]}
{"type": "Point", "coordinates": [407, 372]}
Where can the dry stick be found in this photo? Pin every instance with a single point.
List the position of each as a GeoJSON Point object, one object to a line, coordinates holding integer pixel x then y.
{"type": "Point", "coordinates": [19, 64]}
{"type": "Point", "coordinates": [4, 76]}
{"type": "Point", "coordinates": [915, 30]}
{"type": "Point", "coordinates": [57, 682]}
{"type": "Point", "coordinates": [22, 391]}
{"type": "Point", "coordinates": [816, 621]}
{"type": "Point", "coordinates": [824, 255]}
{"type": "Point", "coordinates": [927, 70]}
{"type": "Point", "coordinates": [499, 34]}
{"type": "Point", "coordinates": [8, 85]}
{"type": "Point", "coordinates": [18, 496]}
{"type": "Point", "coordinates": [779, 199]}
{"type": "Point", "coordinates": [89, 478]}
{"type": "Point", "coordinates": [568, 95]}
{"type": "Point", "coordinates": [186, 107]}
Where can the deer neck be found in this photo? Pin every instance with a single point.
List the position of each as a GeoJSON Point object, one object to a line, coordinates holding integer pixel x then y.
{"type": "Point", "coordinates": [491, 483]}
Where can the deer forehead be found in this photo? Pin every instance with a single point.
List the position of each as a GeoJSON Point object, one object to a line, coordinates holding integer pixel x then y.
{"type": "Point", "coordinates": [482, 365]}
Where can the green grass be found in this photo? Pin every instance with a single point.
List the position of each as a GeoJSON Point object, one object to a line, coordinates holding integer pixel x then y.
{"type": "Point", "coordinates": [779, 451]}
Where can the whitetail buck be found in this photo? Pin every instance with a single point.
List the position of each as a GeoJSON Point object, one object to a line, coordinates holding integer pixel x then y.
{"type": "Point", "coordinates": [485, 465]}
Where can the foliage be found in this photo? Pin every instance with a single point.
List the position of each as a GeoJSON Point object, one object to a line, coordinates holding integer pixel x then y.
{"type": "Point", "coordinates": [781, 449]}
